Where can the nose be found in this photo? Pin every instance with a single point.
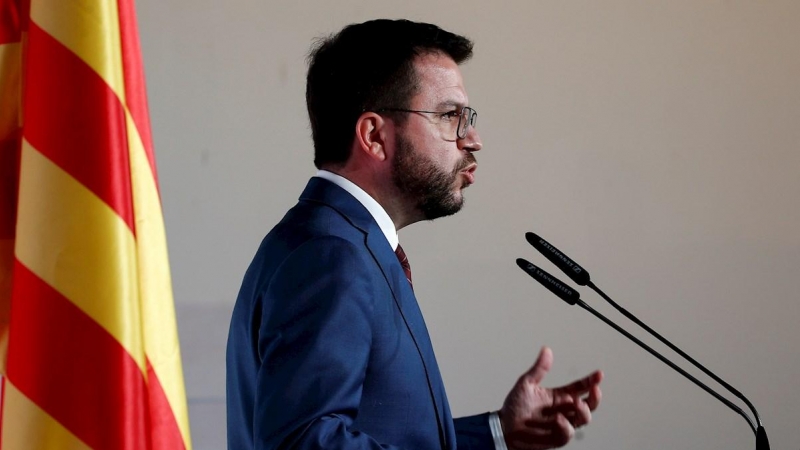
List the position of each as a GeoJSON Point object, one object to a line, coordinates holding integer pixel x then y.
{"type": "Point", "coordinates": [471, 142]}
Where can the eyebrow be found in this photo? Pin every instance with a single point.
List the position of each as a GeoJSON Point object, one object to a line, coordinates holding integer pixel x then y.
{"type": "Point", "coordinates": [450, 104]}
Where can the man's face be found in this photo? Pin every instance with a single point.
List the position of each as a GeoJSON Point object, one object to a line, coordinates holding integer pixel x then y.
{"type": "Point", "coordinates": [431, 165]}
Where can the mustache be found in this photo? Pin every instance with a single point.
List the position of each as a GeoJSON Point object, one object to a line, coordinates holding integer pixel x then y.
{"type": "Point", "coordinates": [466, 162]}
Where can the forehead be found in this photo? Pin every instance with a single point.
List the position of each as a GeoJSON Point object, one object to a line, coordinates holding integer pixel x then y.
{"type": "Point", "coordinates": [440, 82]}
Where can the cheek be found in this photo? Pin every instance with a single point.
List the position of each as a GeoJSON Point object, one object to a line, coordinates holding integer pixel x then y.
{"type": "Point", "coordinates": [435, 151]}
{"type": "Point", "coordinates": [445, 158]}
{"type": "Point", "coordinates": [455, 157]}
{"type": "Point", "coordinates": [444, 155]}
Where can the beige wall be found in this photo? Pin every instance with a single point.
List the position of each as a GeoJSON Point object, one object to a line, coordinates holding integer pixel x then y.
{"type": "Point", "coordinates": [657, 142]}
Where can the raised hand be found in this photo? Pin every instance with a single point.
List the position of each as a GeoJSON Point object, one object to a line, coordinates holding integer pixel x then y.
{"type": "Point", "coordinates": [535, 418]}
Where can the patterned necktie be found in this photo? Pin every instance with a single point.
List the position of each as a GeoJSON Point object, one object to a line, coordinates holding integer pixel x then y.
{"type": "Point", "coordinates": [401, 256]}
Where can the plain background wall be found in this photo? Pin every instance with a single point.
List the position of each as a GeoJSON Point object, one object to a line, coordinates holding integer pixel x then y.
{"type": "Point", "coordinates": [656, 142]}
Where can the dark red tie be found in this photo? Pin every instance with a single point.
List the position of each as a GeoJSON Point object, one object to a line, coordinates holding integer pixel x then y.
{"type": "Point", "coordinates": [401, 256]}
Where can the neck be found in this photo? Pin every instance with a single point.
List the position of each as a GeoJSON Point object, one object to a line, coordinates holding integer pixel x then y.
{"type": "Point", "coordinates": [386, 194]}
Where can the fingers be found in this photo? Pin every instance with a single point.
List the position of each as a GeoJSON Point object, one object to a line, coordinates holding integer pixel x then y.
{"type": "Point", "coordinates": [540, 368]}
{"type": "Point", "coordinates": [584, 406]}
{"type": "Point", "coordinates": [554, 431]}
{"type": "Point", "coordinates": [583, 385]}
{"type": "Point", "coordinates": [583, 414]}
{"type": "Point", "coordinates": [576, 411]}
{"type": "Point", "coordinates": [593, 400]}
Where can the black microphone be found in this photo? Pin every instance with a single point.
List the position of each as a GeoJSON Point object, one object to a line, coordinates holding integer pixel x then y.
{"type": "Point", "coordinates": [552, 283]}
{"type": "Point", "coordinates": [562, 261]}
{"type": "Point", "coordinates": [581, 276]}
{"type": "Point", "coordinates": [572, 297]}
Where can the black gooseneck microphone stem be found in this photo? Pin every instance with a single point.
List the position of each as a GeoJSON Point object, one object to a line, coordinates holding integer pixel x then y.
{"type": "Point", "coordinates": [641, 344]}
{"type": "Point", "coordinates": [581, 276]}
{"type": "Point", "coordinates": [677, 350]}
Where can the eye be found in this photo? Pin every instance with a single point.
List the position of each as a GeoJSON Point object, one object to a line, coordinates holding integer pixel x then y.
{"type": "Point", "coordinates": [450, 115]}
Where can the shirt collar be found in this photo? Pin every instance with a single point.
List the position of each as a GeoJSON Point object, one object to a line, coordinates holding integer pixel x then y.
{"type": "Point", "coordinates": [375, 209]}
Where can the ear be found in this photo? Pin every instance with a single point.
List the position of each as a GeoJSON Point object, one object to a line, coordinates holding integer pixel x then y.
{"type": "Point", "coordinates": [371, 131]}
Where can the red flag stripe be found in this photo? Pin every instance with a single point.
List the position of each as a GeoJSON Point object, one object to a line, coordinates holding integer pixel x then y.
{"type": "Point", "coordinates": [165, 430]}
{"type": "Point", "coordinates": [133, 74]}
{"type": "Point", "coordinates": [10, 27]}
{"type": "Point", "coordinates": [73, 369]}
{"type": "Point", "coordinates": [76, 120]}
{"type": "Point", "coordinates": [9, 177]}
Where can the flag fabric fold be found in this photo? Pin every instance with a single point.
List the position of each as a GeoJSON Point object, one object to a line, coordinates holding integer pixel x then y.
{"type": "Point", "coordinates": [88, 337]}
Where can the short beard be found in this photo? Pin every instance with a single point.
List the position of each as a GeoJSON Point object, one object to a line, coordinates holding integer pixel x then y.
{"type": "Point", "coordinates": [430, 187]}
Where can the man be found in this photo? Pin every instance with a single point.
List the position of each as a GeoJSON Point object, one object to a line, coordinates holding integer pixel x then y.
{"type": "Point", "coordinates": [327, 347]}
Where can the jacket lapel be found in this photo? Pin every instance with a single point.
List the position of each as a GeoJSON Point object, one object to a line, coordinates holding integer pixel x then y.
{"type": "Point", "coordinates": [325, 192]}
{"type": "Point", "coordinates": [409, 309]}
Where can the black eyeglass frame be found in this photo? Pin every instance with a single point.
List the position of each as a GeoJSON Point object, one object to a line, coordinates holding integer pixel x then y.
{"type": "Point", "coordinates": [466, 112]}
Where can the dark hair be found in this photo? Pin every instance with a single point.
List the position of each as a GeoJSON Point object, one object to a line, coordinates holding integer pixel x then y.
{"type": "Point", "coordinates": [364, 67]}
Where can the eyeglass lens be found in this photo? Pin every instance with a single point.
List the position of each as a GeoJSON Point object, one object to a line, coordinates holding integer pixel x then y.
{"type": "Point", "coordinates": [468, 118]}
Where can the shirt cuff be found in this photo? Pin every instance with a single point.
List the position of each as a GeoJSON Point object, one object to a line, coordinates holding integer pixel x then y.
{"type": "Point", "coordinates": [497, 431]}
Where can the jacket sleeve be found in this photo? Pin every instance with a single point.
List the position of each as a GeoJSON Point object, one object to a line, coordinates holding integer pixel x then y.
{"type": "Point", "coordinates": [474, 433]}
{"type": "Point", "coordinates": [314, 343]}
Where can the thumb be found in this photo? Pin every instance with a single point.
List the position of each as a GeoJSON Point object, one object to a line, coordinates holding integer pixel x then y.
{"type": "Point", "coordinates": [542, 365]}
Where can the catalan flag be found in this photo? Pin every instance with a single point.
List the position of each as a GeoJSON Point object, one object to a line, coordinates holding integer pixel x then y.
{"type": "Point", "coordinates": [88, 338]}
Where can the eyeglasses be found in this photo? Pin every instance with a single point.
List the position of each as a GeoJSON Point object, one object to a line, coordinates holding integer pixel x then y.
{"type": "Point", "coordinates": [467, 117]}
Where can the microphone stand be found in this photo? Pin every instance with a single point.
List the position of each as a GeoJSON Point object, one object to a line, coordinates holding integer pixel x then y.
{"type": "Point", "coordinates": [762, 443]}
{"type": "Point", "coordinates": [572, 297]}
{"type": "Point", "coordinates": [582, 277]}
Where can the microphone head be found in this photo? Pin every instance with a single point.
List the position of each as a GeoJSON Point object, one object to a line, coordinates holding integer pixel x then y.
{"type": "Point", "coordinates": [552, 283]}
{"type": "Point", "coordinates": [562, 261]}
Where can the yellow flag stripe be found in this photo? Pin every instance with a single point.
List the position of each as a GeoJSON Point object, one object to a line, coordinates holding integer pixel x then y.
{"type": "Point", "coordinates": [155, 284]}
{"type": "Point", "coordinates": [26, 426]}
{"type": "Point", "coordinates": [73, 241]}
{"type": "Point", "coordinates": [88, 28]}
{"type": "Point", "coordinates": [10, 89]}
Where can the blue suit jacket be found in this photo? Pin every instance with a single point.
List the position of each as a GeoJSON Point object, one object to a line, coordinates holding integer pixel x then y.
{"type": "Point", "coordinates": [327, 346]}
